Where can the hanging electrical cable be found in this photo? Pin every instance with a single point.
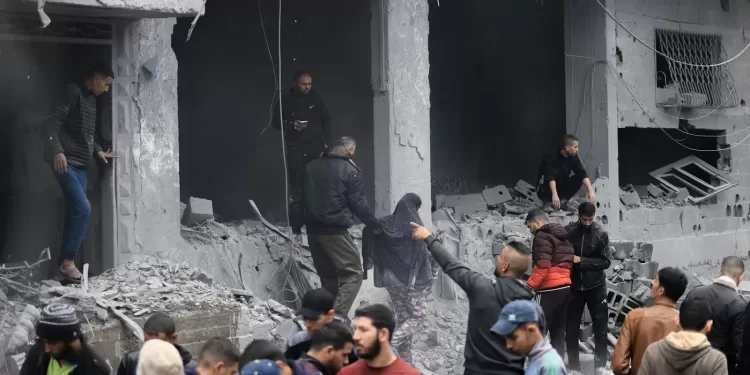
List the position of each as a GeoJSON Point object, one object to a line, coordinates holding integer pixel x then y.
{"type": "Point", "coordinates": [273, 69]}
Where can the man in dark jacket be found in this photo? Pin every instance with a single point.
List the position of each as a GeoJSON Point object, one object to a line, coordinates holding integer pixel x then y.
{"type": "Point", "coordinates": [485, 352]}
{"type": "Point", "coordinates": [162, 327]}
{"type": "Point", "coordinates": [552, 256]}
{"type": "Point", "coordinates": [307, 132]}
{"type": "Point", "coordinates": [330, 349]}
{"type": "Point", "coordinates": [61, 347]}
{"type": "Point", "coordinates": [728, 310]}
{"type": "Point", "coordinates": [589, 287]}
{"type": "Point", "coordinates": [333, 195]}
{"type": "Point", "coordinates": [556, 185]}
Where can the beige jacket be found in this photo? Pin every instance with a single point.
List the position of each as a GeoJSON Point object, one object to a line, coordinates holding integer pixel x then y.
{"type": "Point", "coordinates": [683, 353]}
{"type": "Point", "coordinates": [641, 328]}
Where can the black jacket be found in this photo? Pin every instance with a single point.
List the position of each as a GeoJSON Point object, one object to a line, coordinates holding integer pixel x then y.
{"type": "Point", "coordinates": [333, 195]}
{"type": "Point", "coordinates": [592, 245]}
{"type": "Point", "coordinates": [129, 362]}
{"type": "Point", "coordinates": [89, 362]}
{"type": "Point", "coordinates": [317, 365]}
{"type": "Point", "coordinates": [485, 352]}
{"type": "Point", "coordinates": [728, 315]}
{"type": "Point", "coordinates": [310, 108]}
{"type": "Point", "coordinates": [300, 342]}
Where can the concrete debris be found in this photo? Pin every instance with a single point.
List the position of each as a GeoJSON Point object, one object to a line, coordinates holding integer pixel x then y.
{"type": "Point", "coordinates": [198, 211]}
{"type": "Point", "coordinates": [630, 198]}
{"type": "Point", "coordinates": [527, 192]}
{"type": "Point", "coordinates": [466, 204]}
{"type": "Point", "coordinates": [680, 195]}
{"type": "Point", "coordinates": [655, 191]}
{"type": "Point", "coordinates": [496, 195]}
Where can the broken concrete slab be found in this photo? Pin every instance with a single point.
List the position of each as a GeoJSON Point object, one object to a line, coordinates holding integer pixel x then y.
{"type": "Point", "coordinates": [496, 195]}
{"type": "Point", "coordinates": [515, 208]}
{"type": "Point", "coordinates": [198, 211]}
{"type": "Point", "coordinates": [527, 191]}
{"type": "Point", "coordinates": [183, 206]}
{"type": "Point", "coordinates": [655, 191]}
{"type": "Point", "coordinates": [630, 198]}
{"type": "Point", "coordinates": [680, 195]}
{"type": "Point", "coordinates": [440, 201]}
{"type": "Point", "coordinates": [466, 204]}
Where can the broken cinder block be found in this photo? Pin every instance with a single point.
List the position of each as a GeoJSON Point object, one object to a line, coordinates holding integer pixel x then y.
{"type": "Point", "coordinates": [496, 195]}
{"type": "Point", "coordinates": [655, 191]}
{"type": "Point", "coordinates": [466, 204]}
{"type": "Point", "coordinates": [630, 198]}
{"type": "Point", "coordinates": [198, 211]}
{"type": "Point", "coordinates": [681, 194]}
{"type": "Point", "coordinates": [528, 191]}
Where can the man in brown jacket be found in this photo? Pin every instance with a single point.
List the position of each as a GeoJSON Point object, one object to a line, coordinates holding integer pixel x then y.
{"type": "Point", "coordinates": [644, 326]}
{"type": "Point", "coordinates": [688, 351]}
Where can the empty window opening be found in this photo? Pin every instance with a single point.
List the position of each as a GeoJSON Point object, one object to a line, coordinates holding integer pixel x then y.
{"type": "Point", "coordinates": [680, 85]}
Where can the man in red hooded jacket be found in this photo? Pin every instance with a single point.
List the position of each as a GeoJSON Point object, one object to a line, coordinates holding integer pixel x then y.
{"type": "Point", "coordinates": [552, 257]}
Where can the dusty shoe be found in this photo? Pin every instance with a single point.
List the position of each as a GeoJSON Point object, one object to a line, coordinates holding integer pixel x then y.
{"type": "Point", "coordinates": [547, 207]}
{"type": "Point", "coordinates": [571, 205]}
{"type": "Point", "coordinates": [70, 272]}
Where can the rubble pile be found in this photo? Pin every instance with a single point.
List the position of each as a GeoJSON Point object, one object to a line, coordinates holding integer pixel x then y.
{"type": "Point", "coordinates": [439, 346]}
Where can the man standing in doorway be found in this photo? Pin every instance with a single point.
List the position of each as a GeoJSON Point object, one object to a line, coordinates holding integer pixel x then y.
{"type": "Point", "coordinates": [307, 133]}
{"type": "Point", "coordinates": [332, 196]}
{"type": "Point", "coordinates": [589, 284]}
{"type": "Point", "coordinates": [71, 144]}
{"type": "Point", "coordinates": [561, 175]}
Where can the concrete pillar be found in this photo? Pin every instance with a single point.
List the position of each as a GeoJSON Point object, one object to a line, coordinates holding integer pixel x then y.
{"type": "Point", "coordinates": [590, 41]}
{"type": "Point", "coordinates": [401, 84]}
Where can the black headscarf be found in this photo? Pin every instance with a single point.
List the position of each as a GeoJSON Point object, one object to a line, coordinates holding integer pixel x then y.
{"type": "Point", "coordinates": [402, 255]}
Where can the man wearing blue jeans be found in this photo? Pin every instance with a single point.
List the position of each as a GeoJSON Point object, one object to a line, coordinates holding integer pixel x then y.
{"type": "Point", "coordinates": [71, 145]}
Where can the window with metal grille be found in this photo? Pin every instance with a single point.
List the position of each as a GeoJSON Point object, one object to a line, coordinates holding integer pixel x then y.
{"type": "Point", "coordinates": [682, 85]}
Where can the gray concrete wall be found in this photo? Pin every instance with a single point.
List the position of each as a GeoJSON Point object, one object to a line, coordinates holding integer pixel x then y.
{"type": "Point", "coordinates": [226, 87]}
{"type": "Point", "coordinates": [497, 88]}
{"type": "Point", "coordinates": [687, 235]}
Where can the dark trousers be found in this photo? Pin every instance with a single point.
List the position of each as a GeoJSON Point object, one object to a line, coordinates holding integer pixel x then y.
{"type": "Point", "coordinates": [297, 157]}
{"type": "Point", "coordinates": [596, 301]}
{"type": "Point", "coordinates": [338, 263]}
{"type": "Point", "coordinates": [553, 303]}
{"type": "Point", "coordinates": [566, 188]}
{"type": "Point", "coordinates": [77, 210]}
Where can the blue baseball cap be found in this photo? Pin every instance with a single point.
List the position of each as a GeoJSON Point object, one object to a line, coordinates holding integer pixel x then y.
{"type": "Point", "coordinates": [261, 367]}
{"type": "Point", "coordinates": [513, 315]}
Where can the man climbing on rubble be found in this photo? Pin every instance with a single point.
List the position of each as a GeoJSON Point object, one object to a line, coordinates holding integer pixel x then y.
{"type": "Point", "coordinates": [728, 310]}
{"type": "Point", "coordinates": [486, 352]}
{"type": "Point", "coordinates": [561, 175]}
{"type": "Point", "coordinates": [307, 133]}
{"type": "Point", "coordinates": [373, 331]}
{"type": "Point", "coordinates": [645, 326]}
{"type": "Point", "coordinates": [552, 256]}
{"type": "Point", "coordinates": [61, 347]}
{"type": "Point", "coordinates": [332, 196]}
{"type": "Point", "coordinates": [521, 324]}
{"type": "Point", "coordinates": [71, 144]}
{"type": "Point", "coordinates": [687, 351]}
{"type": "Point", "coordinates": [316, 311]}
{"type": "Point", "coordinates": [161, 327]}
{"type": "Point", "coordinates": [588, 285]}
{"type": "Point", "coordinates": [218, 356]}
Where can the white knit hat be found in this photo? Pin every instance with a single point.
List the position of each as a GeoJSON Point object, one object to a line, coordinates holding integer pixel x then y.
{"type": "Point", "coordinates": [159, 357]}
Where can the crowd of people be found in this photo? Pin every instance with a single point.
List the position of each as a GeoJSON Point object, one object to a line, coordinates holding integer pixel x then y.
{"type": "Point", "coordinates": [516, 324]}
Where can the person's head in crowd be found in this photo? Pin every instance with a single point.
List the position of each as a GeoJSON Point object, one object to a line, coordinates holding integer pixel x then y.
{"type": "Point", "coordinates": [99, 79]}
{"type": "Point", "coordinates": [586, 213]}
{"type": "Point", "coordinates": [373, 330]}
{"type": "Point", "coordinates": [59, 329]}
{"type": "Point", "coordinates": [535, 219]}
{"type": "Point", "coordinates": [158, 357]}
{"type": "Point", "coordinates": [513, 260]}
{"type": "Point", "coordinates": [570, 145]}
{"type": "Point", "coordinates": [218, 356]}
{"type": "Point", "coordinates": [303, 81]}
{"type": "Point", "coordinates": [264, 350]}
{"type": "Point", "coordinates": [695, 315]}
{"type": "Point", "coordinates": [160, 326]}
{"type": "Point", "coordinates": [519, 323]}
{"type": "Point", "coordinates": [261, 367]}
{"type": "Point", "coordinates": [317, 309]}
{"type": "Point", "coordinates": [734, 268]}
{"type": "Point", "coordinates": [331, 345]}
{"type": "Point", "coordinates": [669, 283]}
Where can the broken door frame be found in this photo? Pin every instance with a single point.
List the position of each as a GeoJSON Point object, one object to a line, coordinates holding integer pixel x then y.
{"type": "Point", "coordinates": [681, 175]}
{"type": "Point", "coordinates": [108, 196]}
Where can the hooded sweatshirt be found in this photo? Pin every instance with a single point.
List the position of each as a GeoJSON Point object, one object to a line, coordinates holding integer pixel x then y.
{"type": "Point", "coordinates": [485, 352]}
{"type": "Point", "coordinates": [544, 360]}
{"type": "Point", "coordinates": [683, 353]}
{"type": "Point", "coordinates": [552, 256]}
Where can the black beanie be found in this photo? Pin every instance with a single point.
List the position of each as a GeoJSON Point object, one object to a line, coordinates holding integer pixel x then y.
{"type": "Point", "coordinates": [58, 322]}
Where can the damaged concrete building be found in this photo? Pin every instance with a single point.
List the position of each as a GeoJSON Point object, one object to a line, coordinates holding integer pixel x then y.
{"type": "Point", "coordinates": [453, 99]}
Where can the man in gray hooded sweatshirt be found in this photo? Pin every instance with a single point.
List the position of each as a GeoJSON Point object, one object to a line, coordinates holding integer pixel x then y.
{"type": "Point", "coordinates": [688, 351]}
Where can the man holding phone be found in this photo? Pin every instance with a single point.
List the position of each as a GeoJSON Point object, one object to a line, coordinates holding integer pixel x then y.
{"type": "Point", "coordinates": [307, 132]}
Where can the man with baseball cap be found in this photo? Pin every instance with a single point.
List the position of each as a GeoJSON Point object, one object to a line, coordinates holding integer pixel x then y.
{"type": "Point", "coordinates": [521, 323]}
{"type": "Point", "coordinates": [61, 348]}
{"type": "Point", "coordinates": [316, 311]}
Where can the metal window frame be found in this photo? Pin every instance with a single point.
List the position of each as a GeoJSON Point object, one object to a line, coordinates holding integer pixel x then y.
{"type": "Point", "coordinates": [676, 170]}
{"type": "Point", "coordinates": [716, 83]}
